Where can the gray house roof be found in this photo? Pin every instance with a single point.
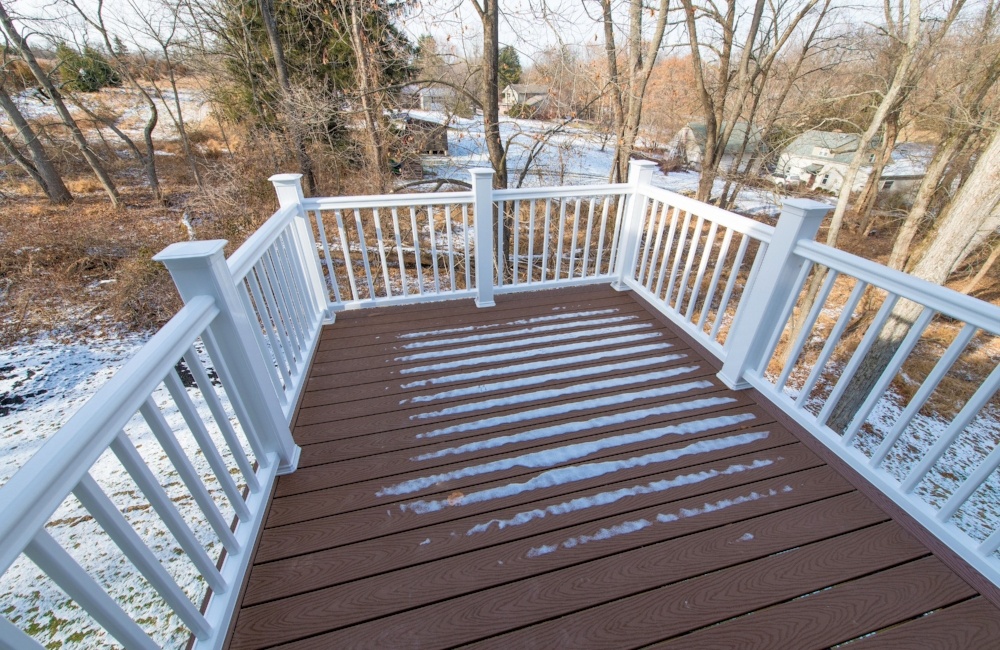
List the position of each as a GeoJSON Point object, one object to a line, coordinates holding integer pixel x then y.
{"type": "Point", "coordinates": [735, 140]}
{"type": "Point", "coordinates": [841, 145]}
{"type": "Point", "coordinates": [529, 89]}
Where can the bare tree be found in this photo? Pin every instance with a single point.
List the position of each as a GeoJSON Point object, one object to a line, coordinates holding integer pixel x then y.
{"type": "Point", "coordinates": [147, 158]}
{"type": "Point", "coordinates": [731, 87]}
{"type": "Point", "coordinates": [39, 167]}
{"type": "Point", "coordinates": [969, 114]}
{"type": "Point", "coordinates": [164, 31]}
{"type": "Point", "coordinates": [628, 90]}
{"type": "Point", "coordinates": [20, 45]}
{"type": "Point", "coordinates": [971, 217]}
{"type": "Point", "coordinates": [915, 45]}
{"type": "Point", "coordinates": [281, 69]}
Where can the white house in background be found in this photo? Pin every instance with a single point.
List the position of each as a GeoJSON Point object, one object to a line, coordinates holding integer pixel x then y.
{"type": "Point", "coordinates": [533, 95]}
{"type": "Point", "coordinates": [688, 144]}
{"type": "Point", "coordinates": [436, 99]}
{"type": "Point", "coordinates": [820, 159]}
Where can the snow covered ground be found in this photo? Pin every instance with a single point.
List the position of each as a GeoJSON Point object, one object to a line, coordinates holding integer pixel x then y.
{"type": "Point", "coordinates": [574, 155]}
{"type": "Point", "coordinates": [129, 109]}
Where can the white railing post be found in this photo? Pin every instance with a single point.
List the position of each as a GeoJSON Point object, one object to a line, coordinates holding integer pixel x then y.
{"type": "Point", "coordinates": [761, 304]}
{"type": "Point", "coordinates": [482, 210]}
{"type": "Point", "coordinates": [199, 268]}
{"type": "Point", "coordinates": [640, 172]}
{"type": "Point", "coordinates": [288, 187]}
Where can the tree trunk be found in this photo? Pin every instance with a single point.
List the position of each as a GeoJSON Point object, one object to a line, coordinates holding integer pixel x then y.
{"type": "Point", "coordinates": [489, 98]}
{"type": "Point", "coordinates": [973, 212]}
{"type": "Point", "coordinates": [899, 87]}
{"type": "Point", "coordinates": [29, 58]}
{"type": "Point", "coordinates": [281, 69]}
{"type": "Point", "coordinates": [929, 185]}
{"type": "Point", "coordinates": [47, 176]}
{"type": "Point", "coordinates": [971, 285]}
{"type": "Point", "coordinates": [367, 87]}
{"type": "Point", "coordinates": [866, 202]}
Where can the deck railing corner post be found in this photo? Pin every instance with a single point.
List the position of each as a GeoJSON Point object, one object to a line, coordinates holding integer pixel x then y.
{"type": "Point", "coordinates": [288, 187]}
{"type": "Point", "coordinates": [640, 174]}
{"type": "Point", "coordinates": [199, 268]}
{"type": "Point", "coordinates": [761, 303]}
{"type": "Point", "coordinates": [482, 207]}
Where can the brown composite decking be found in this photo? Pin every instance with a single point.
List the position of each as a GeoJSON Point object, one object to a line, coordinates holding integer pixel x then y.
{"type": "Point", "coordinates": [612, 493]}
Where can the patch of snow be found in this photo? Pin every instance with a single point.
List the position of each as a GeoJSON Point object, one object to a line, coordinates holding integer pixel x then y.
{"type": "Point", "coordinates": [609, 497]}
{"type": "Point", "coordinates": [574, 389]}
{"type": "Point", "coordinates": [569, 407]}
{"type": "Point", "coordinates": [525, 354]}
{"type": "Point", "coordinates": [635, 525]}
{"type": "Point", "coordinates": [560, 475]}
{"type": "Point", "coordinates": [535, 340]}
{"type": "Point", "coordinates": [593, 423]}
{"type": "Point", "coordinates": [522, 321]}
{"type": "Point", "coordinates": [577, 373]}
{"type": "Point", "coordinates": [519, 368]}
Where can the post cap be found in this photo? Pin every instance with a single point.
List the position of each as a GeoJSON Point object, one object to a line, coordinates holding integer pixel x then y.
{"type": "Point", "coordinates": [481, 171]}
{"type": "Point", "coordinates": [806, 207]}
{"type": "Point", "coordinates": [190, 250]}
{"type": "Point", "coordinates": [285, 179]}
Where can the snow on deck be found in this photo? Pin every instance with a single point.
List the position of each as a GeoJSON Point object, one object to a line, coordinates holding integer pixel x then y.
{"type": "Point", "coordinates": [557, 469]}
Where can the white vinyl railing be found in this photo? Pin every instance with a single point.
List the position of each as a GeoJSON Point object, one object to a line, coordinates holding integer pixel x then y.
{"type": "Point", "coordinates": [557, 236]}
{"type": "Point", "coordinates": [841, 344]}
{"type": "Point", "coordinates": [898, 376]}
{"type": "Point", "coordinates": [244, 336]}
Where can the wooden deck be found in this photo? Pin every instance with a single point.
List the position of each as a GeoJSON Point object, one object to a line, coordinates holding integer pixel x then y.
{"type": "Point", "coordinates": [564, 471]}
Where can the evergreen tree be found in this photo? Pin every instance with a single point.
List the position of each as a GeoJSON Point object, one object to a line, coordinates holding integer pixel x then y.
{"type": "Point", "coordinates": [509, 69]}
{"type": "Point", "coordinates": [87, 71]}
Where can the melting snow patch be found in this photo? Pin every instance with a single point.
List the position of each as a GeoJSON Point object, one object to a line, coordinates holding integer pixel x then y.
{"type": "Point", "coordinates": [541, 550]}
{"type": "Point", "coordinates": [609, 497]}
{"type": "Point", "coordinates": [552, 393]}
{"type": "Point", "coordinates": [426, 542]}
{"type": "Point", "coordinates": [560, 409]}
{"type": "Point", "coordinates": [595, 423]}
{"type": "Point", "coordinates": [525, 354]}
{"type": "Point", "coordinates": [746, 537]}
{"type": "Point", "coordinates": [638, 524]}
{"type": "Point", "coordinates": [519, 332]}
{"type": "Point", "coordinates": [559, 476]}
{"type": "Point", "coordinates": [520, 368]}
{"type": "Point", "coordinates": [521, 343]}
{"type": "Point", "coordinates": [576, 373]}
{"type": "Point", "coordinates": [520, 321]}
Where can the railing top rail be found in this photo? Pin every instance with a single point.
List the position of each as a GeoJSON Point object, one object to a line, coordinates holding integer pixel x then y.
{"type": "Point", "coordinates": [739, 223]}
{"type": "Point", "coordinates": [528, 193]}
{"type": "Point", "coordinates": [979, 313]}
{"type": "Point", "coordinates": [35, 491]}
{"type": "Point", "coordinates": [249, 253]}
{"type": "Point", "coordinates": [386, 200]}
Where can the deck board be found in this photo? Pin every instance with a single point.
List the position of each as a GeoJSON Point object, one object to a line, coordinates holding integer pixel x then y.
{"type": "Point", "coordinates": [565, 470]}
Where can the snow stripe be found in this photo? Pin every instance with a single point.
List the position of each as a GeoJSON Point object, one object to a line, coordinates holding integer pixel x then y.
{"type": "Point", "coordinates": [520, 321]}
{"type": "Point", "coordinates": [567, 453]}
{"type": "Point", "coordinates": [519, 368]}
{"type": "Point", "coordinates": [574, 389]}
{"type": "Point", "coordinates": [521, 382]}
{"type": "Point", "coordinates": [523, 343]}
{"type": "Point", "coordinates": [569, 407]}
{"type": "Point", "coordinates": [522, 354]}
{"type": "Point", "coordinates": [574, 427]}
{"type": "Point", "coordinates": [613, 496]}
{"type": "Point", "coordinates": [537, 329]}
{"type": "Point", "coordinates": [634, 525]}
